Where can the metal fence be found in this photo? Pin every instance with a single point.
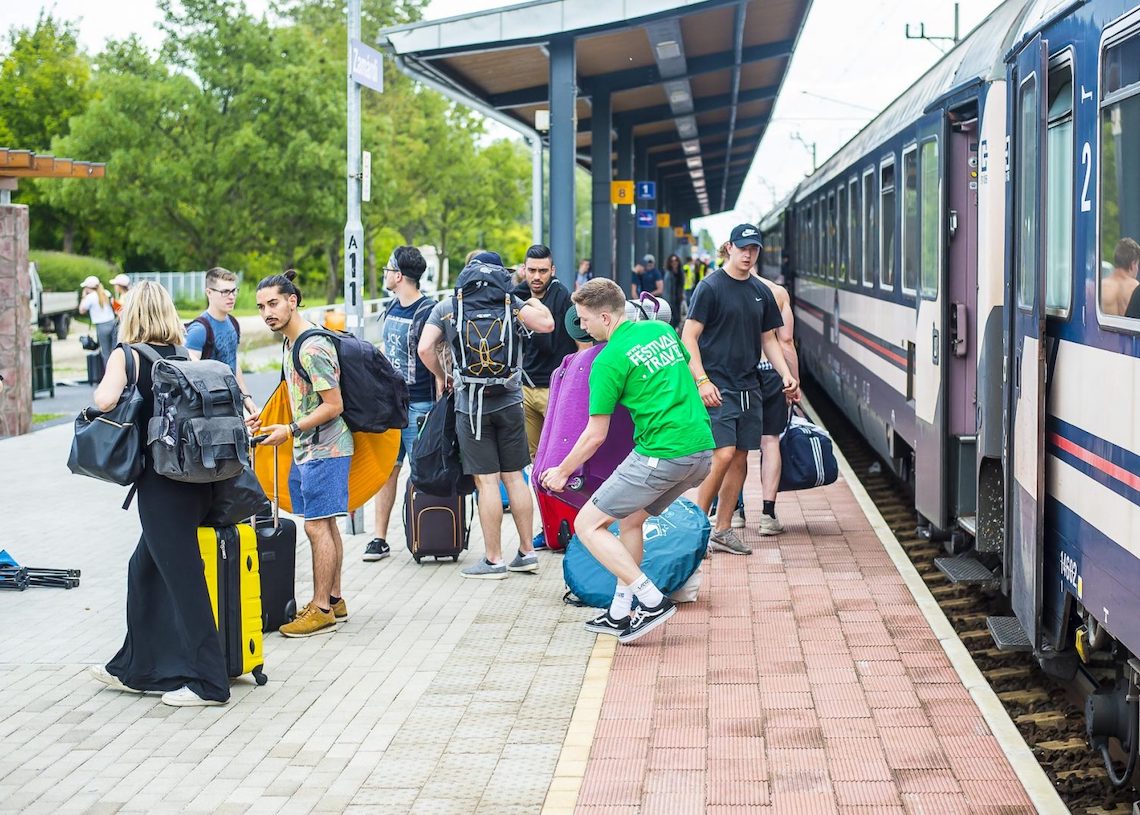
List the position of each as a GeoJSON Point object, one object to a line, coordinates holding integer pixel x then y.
{"type": "Point", "coordinates": [181, 285]}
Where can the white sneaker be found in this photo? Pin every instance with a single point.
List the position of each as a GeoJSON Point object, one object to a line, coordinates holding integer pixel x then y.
{"type": "Point", "coordinates": [184, 697]}
{"type": "Point", "coordinates": [100, 673]}
{"type": "Point", "coordinates": [738, 519]}
{"type": "Point", "coordinates": [770, 526]}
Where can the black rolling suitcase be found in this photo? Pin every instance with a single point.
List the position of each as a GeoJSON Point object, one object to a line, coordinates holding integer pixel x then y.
{"type": "Point", "coordinates": [95, 368]}
{"type": "Point", "coordinates": [277, 552]}
{"type": "Point", "coordinates": [435, 526]}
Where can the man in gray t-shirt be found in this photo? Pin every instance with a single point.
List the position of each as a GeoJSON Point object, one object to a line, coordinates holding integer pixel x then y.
{"type": "Point", "coordinates": [492, 440]}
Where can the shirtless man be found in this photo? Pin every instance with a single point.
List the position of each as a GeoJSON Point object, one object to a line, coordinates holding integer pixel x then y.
{"type": "Point", "coordinates": [1116, 289]}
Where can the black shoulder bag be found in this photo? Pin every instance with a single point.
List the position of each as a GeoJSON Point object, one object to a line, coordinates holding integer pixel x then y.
{"type": "Point", "coordinates": [108, 446]}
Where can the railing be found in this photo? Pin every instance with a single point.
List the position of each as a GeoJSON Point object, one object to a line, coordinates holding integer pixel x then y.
{"type": "Point", "coordinates": [182, 286]}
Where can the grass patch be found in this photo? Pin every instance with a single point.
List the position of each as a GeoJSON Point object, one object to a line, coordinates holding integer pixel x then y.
{"type": "Point", "coordinates": [42, 418]}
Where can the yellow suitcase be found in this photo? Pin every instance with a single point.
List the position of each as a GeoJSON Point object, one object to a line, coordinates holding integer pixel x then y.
{"type": "Point", "coordinates": [229, 558]}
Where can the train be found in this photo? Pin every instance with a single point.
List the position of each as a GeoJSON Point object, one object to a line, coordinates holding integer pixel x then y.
{"type": "Point", "coordinates": [962, 273]}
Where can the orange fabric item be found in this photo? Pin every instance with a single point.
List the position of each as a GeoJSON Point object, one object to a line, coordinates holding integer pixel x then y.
{"type": "Point", "coordinates": [372, 462]}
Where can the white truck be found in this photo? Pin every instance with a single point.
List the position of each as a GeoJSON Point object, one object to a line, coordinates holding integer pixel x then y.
{"type": "Point", "coordinates": [51, 310]}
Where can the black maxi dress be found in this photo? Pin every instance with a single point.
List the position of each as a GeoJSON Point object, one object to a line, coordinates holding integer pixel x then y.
{"type": "Point", "coordinates": [171, 637]}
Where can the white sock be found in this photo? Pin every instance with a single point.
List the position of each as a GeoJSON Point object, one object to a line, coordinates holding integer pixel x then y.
{"type": "Point", "coordinates": [622, 602]}
{"type": "Point", "coordinates": [646, 593]}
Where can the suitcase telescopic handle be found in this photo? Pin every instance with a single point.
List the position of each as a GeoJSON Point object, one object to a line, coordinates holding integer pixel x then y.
{"type": "Point", "coordinates": [274, 501]}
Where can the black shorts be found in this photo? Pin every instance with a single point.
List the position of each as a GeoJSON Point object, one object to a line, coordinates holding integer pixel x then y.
{"type": "Point", "coordinates": [775, 405]}
{"type": "Point", "coordinates": [739, 421]}
{"type": "Point", "coordinates": [501, 446]}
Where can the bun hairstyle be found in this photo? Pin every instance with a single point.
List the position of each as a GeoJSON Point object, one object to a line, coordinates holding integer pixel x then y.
{"type": "Point", "coordinates": [283, 283]}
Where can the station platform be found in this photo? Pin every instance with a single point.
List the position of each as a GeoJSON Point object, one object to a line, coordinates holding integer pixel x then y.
{"type": "Point", "coordinates": [806, 678]}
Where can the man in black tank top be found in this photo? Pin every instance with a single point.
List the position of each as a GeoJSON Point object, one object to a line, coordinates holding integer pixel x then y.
{"type": "Point", "coordinates": [732, 322]}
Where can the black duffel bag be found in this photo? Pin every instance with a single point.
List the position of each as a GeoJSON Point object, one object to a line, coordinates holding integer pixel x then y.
{"type": "Point", "coordinates": [108, 446]}
{"type": "Point", "coordinates": [236, 500]}
{"type": "Point", "coordinates": [436, 468]}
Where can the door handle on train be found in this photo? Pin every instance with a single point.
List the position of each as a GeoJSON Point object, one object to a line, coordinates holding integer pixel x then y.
{"type": "Point", "coordinates": [958, 330]}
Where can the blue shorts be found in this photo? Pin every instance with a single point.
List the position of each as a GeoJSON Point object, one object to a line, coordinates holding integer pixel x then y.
{"type": "Point", "coordinates": [319, 488]}
{"type": "Point", "coordinates": [409, 433]}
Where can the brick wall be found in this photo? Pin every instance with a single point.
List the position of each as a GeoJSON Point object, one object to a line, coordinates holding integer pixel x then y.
{"type": "Point", "coordinates": [15, 322]}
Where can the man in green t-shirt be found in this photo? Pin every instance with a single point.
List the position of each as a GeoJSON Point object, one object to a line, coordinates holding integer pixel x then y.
{"type": "Point", "coordinates": [645, 368]}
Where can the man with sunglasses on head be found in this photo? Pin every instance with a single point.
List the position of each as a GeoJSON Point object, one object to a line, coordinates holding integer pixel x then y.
{"type": "Point", "coordinates": [403, 322]}
{"type": "Point", "coordinates": [215, 333]}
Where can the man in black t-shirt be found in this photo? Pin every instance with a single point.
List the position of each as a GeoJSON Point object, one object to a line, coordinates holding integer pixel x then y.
{"type": "Point", "coordinates": [732, 322]}
{"type": "Point", "coordinates": [542, 353]}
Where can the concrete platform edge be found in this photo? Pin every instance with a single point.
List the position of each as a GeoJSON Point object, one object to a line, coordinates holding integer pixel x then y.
{"type": "Point", "coordinates": [1037, 784]}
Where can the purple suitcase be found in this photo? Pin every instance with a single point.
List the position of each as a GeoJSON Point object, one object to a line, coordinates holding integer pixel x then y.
{"type": "Point", "coordinates": [566, 418]}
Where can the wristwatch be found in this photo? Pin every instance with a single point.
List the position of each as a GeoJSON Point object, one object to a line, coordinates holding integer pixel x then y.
{"type": "Point", "coordinates": [294, 429]}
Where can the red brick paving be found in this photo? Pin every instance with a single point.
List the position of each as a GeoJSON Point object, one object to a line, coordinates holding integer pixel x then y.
{"type": "Point", "coordinates": [804, 680]}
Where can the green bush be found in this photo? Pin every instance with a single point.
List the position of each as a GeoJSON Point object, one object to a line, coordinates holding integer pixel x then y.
{"type": "Point", "coordinates": [60, 271]}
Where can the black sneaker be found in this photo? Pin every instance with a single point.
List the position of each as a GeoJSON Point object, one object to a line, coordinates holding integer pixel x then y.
{"type": "Point", "coordinates": [377, 549]}
{"type": "Point", "coordinates": [646, 619]}
{"type": "Point", "coordinates": [605, 624]}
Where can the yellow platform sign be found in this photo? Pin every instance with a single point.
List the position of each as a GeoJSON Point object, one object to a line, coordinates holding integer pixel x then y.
{"type": "Point", "coordinates": [621, 192]}
{"type": "Point", "coordinates": [663, 220]}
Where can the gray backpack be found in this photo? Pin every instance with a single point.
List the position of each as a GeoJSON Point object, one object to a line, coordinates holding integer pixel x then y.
{"type": "Point", "coordinates": [197, 433]}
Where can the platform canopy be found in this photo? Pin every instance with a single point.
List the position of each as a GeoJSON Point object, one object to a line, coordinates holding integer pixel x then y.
{"type": "Point", "coordinates": [689, 85]}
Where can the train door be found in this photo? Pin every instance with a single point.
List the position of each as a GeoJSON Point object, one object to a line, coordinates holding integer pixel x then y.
{"type": "Point", "coordinates": [1025, 363]}
{"type": "Point", "coordinates": [930, 380]}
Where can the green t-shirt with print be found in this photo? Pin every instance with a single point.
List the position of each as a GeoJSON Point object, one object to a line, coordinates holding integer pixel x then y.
{"type": "Point", "coordinates": [332, 439]}
{"type": "Point", "coordinates": [645, 367]}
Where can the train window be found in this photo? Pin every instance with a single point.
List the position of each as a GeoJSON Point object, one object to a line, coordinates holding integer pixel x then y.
{"type": "Point", "coordinates": [869, 231]}
{"type": "Point", "coordinates": [1120, 180]}
{"type": "Point", "coordinates": [841, 246]}
{"type": "Point", "coordinates": [1059, 189]}
{"type": "Point", "coordinates": [829, 236]}
{"type": "Point", "coordinates": [887, 225]}
{"type": "Point", "coordinates": [853, 235]}
{"type": "Point", "coordinates": [1026, 195]}
{"type": "Point", "coordinates": [910, 220]}
{"type": "Point", "coordinates": [820, 263]}
{"type": "Point", "coordinates": [931, 218]}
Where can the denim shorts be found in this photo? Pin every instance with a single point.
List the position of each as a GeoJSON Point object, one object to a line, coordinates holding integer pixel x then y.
{"type": "Point", "coordinates": [409, 433]}
{"type": "Point", "coordinates": [319, 488]}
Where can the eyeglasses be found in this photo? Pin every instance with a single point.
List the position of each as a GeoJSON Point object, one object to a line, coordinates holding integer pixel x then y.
{"type": "Point", "coordinates": [226, 292]}
{"type": "Point", "coordinates": [393, 271]}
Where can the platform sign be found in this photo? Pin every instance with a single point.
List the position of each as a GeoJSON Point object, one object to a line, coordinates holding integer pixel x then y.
{"type": "Point", "coordinates": [646, 218]}
{"type": "Point", "coordinates": [621, 192]}
{"type": "Point", "coordinates": [678, 231]}
{"type": "Point", "coordinates": [367, 66]}
{"type": "Point", "coordinates": [646, 190]}
{"type": "Point", "coordinates": [663, 220]}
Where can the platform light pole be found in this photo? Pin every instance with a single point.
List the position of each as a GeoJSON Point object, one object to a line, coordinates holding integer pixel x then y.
{"type": "Point", "coordinates": [364, 68]}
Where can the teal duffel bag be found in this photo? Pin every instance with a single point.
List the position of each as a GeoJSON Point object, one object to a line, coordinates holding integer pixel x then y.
{"type": "Point", "coordinates": [675, 544]}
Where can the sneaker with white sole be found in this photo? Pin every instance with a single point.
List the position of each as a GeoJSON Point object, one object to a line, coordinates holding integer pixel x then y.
{"type": "Point", "coordinates": [524, 563]}
{"type": "Point", "coordinates": [184, 697]}
{"type": "Point", "coordinates": [485, 570]}
{"type": "Point", "coordinates": [377, 549]}
{"type": "Point", "coordinates": [113, 682]}
{"type": "Point", "coordinates": [726, 540]}
{"type": "Point", "coordinates": [645, 620]}
{"type": "Point", "coordinates": [605, 624]}
{"type": "Point", "coordinates": [738, 519]}
{"type": "Point", "coordinates": [770, 526]}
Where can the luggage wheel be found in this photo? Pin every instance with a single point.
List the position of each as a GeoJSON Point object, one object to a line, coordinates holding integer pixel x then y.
{"type": "Point", "coordinates": [455, 558]}
{"type": "Point", "coordinates": [290, 610]}
{"type": "Point", "coordinates": [417, 559]}
{"type": "Point", "coordinates": [259, 675]}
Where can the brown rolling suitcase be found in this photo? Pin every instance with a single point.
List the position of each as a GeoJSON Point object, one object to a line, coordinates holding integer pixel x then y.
{"type": "Point", "coordinates": [435, 526]}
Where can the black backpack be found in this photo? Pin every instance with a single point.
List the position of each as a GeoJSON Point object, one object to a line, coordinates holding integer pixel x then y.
{"type": "Point", "coordinates": [197, 433]}
{"type": "Point", "coordinates": [375, 396]}
{"type": "Point", "coordinates": [488, 354]}
{"type": "Point", "coordinates": [435, 462]}
{"type": "Point", "coordinates": [208, 345]}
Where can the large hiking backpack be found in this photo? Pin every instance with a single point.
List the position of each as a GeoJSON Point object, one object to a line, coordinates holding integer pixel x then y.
{"type": "Point", "coordinates": [197, 433]}
{"type": "Point", "coordinates": [375, 396]}
{"type": "Point", "coordinates": [488, 354]}
{"type": "Point", "coordinates": [208, 345]}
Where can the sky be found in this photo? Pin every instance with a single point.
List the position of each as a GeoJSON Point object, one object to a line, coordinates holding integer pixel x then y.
{"type": "Point", "coordinates": [852, 60]}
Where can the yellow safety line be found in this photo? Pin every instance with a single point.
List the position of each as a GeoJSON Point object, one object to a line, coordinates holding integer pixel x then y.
{"type": "Point", "coordinates": [562, 796]}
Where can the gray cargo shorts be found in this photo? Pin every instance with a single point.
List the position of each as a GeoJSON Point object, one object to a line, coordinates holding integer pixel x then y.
{"type": "Point", "coordinates": [651, 484]}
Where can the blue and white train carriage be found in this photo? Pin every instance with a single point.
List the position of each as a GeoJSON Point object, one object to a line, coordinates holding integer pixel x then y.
{"type": "Point", "coordinates": [963, 271]}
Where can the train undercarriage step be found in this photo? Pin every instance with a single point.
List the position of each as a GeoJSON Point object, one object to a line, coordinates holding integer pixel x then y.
{"type": "Point", "coordinates": [965, 571]}
{"type": "Point", "coordinates": [1008, 634]}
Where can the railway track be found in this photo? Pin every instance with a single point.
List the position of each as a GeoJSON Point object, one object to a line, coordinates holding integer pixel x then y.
{"type": "Point", "coordinates": [1048, 713]}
